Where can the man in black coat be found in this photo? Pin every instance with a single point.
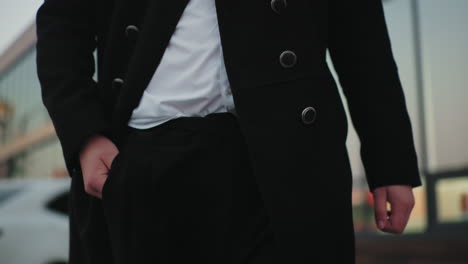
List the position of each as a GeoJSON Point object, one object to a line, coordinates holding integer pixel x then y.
{"type": "Point", "coordinates": [288, 111]}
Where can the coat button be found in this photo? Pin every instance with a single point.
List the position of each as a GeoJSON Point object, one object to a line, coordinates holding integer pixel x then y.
{"type": "Point", "coordinates": [308, 115]}
{"type": "Point", "coordinates": [278, 5]}
{"type": "Point", "coordinates": [288, 59]}
{"type": "Point", "coordinates": [117, 83]}
{"type": "Point", "coordinates": [131, 31]}
{"type": "Point", "coordinates": [75, 171]}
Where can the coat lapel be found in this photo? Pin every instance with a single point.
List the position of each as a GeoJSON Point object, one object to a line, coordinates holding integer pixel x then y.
{"type": "Point", "coordinates": [156, 30]}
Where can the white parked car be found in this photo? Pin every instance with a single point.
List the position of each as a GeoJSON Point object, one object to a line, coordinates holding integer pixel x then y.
{"type": "Point", "coordinates": [34, 221]}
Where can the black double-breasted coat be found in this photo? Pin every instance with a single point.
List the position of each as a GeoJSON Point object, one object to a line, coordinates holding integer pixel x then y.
{"type": "Point", "coordinates": [287, 101]}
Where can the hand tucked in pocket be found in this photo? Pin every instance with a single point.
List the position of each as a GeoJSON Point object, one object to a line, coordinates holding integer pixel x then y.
{"type": "Point", "coordinates": [96, 158]}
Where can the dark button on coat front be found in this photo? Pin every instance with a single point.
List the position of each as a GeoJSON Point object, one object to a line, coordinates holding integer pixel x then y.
{"type": "Point", "coordinates": [278, 5]}
{"type": "Point", "coordinates": [117, 83]}
{"type": "Point", "coordinates": [131, 32]}
{"type": "Point", "coordinates": [308, 115]}
{"type": "Point", "coordinates": [288, 59]}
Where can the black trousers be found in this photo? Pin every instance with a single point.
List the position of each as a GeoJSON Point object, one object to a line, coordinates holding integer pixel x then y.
{"type": "Point", "coordinates": [181, 192]}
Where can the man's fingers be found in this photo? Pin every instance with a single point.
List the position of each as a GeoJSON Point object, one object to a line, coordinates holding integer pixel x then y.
{"type": "Point", "coordinates": [96, 159]}
{"type": "Point", "coordinates": [380, 207]}
{"type": "Point", "coordinates": [399, 218]}
{"type": "Point", "coordinates": [100, 184]}
{"type": "Point", "coordinates": [108, 158]}
{"type": "Point", "coordinates": [402, 202]}
{"type": "Point", "coordinates": [95, 183]}
{"type": "Point", "coordinates": [92, 190]}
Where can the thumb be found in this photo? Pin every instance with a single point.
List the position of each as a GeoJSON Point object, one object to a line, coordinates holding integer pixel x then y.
{"type": "Point", "coordinates": [109, 158]}
{"type": "Point", "coordinates": [380, 207]}
{"type": "Point", "coordinates": [109, 152]}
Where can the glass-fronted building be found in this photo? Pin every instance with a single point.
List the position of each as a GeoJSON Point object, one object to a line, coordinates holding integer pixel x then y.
{"type": "Point", "coordinates": [29, 147]}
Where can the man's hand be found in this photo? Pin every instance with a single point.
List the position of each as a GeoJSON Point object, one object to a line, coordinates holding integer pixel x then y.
{"type": "Point", "coordinates": [401, 201]}
{"type": "Point", "coordinates": [96, 158]}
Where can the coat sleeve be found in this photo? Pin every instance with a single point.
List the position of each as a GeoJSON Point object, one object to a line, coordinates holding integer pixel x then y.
{"type": "Point", "coordinates": [360, 49]}
{"type": "Point", "coordinates": [65, 66]}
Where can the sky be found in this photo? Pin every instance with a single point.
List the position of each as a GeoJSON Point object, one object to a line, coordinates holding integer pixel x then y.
{"type": "Point", "coordinates": [15, 17]}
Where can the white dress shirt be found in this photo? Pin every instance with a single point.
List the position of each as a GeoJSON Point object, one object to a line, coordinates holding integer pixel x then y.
{"type": "Point", "coordinates": [191, 79]}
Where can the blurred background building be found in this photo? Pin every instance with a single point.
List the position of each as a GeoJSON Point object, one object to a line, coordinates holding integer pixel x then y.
{"type": "Point", "coordinates": [429, 40]}
{"type": "Point", "coordinates": [29, 147]}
